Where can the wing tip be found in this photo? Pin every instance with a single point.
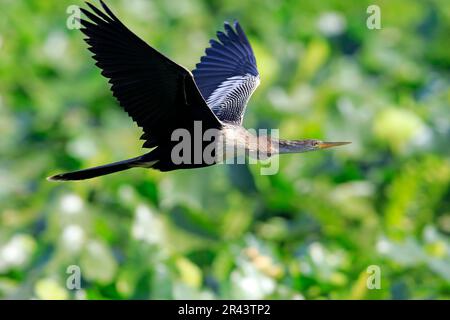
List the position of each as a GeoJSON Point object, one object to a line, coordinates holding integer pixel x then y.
{"type": "Point", "coordinates": [56, 177]}
{"type": "Point", "coordinates": [105, 16]}
{"type": "Point", "coordinates": [228, 23]}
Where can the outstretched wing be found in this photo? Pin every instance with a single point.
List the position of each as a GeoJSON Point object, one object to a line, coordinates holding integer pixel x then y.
{"type": "Point", "coordinates": [158, 94]}
{"type": "Point", "coordinates": [227, 75]}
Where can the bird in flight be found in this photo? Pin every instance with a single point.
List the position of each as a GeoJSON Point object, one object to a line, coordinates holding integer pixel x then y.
{"type": "Point", "coordinates": [166, 100]}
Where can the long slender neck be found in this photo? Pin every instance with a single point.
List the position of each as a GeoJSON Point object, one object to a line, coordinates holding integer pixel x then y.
{"type": "Point", "coordinates": [292, 146]}
{"type": "Point", "coordinates": [280, 146]}
{"type": "Point", "coordinates": [262, 144]}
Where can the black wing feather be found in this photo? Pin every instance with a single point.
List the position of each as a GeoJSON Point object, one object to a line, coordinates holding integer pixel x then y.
{"type": "Point", "coordinates": [150, 87]}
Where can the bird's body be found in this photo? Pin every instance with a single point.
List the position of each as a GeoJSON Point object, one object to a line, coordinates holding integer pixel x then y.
{"type": "Point", "coordinates": [169, 102]}
{"type": "Point", "coordinates": [236, 141]}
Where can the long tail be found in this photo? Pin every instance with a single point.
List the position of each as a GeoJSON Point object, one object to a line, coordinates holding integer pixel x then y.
{"type": "Point", "coordinates": [102, 170]}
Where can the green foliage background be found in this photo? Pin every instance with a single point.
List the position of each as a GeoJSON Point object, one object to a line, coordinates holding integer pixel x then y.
{"type": "Point", "coordinates": [311, 231]}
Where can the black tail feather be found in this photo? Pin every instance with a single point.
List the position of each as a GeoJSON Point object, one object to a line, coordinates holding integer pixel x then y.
{"type": "Point", "coordinates": [98, 171]}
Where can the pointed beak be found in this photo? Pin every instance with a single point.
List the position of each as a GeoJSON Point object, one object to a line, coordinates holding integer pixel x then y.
{"type": "Point", "coordinates": [326, 145]}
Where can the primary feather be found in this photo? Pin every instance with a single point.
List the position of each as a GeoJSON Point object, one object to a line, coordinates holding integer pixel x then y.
{"type": "Point", "coordinates": [156, 92]}
{"type": "Point", "coordinates": [227, 74]}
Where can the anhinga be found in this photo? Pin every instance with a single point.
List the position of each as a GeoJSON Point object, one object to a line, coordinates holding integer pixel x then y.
{"type": "Point", "coordinates": [162, 96]}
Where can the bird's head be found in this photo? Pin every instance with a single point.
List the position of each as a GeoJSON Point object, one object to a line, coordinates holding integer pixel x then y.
{"type": "Point", "coordinates": [296, 146]}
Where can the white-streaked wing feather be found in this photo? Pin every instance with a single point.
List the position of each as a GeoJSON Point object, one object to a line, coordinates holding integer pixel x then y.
{"type": "Point", "coordinates": [227, 74]}
{"type": "Point", "coordinates": [230, 99]}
